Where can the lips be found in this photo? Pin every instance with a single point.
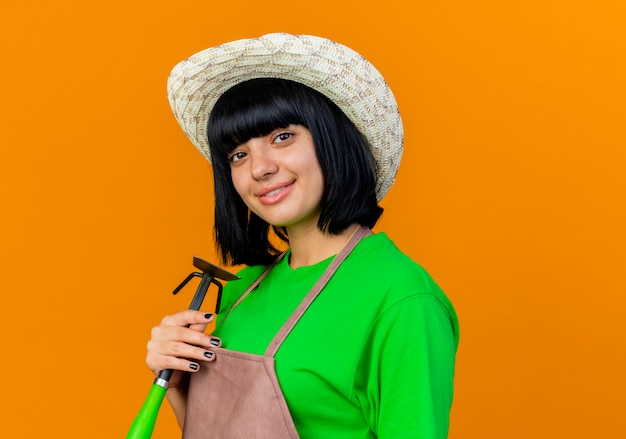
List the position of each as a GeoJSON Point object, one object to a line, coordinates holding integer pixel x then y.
{"type": "Point", "coordinates": [275, 192]}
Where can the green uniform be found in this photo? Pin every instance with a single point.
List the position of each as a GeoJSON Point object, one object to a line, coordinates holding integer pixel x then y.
{"type": "Point", "coordinates": [374, 354]}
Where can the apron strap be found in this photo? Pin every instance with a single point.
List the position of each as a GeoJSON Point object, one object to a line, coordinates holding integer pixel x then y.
{"type": "Point", "coordinates": [254, 284]}
{"type": "Point", "coordinates": [278, 339]}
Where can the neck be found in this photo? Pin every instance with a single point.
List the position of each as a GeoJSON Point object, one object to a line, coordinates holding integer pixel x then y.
{"type": "Point", "coordinates": [311, 246]}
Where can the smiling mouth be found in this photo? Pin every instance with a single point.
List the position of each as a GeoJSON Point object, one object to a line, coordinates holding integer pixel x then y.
{"type": "Point", "coordinates": [274, 192]}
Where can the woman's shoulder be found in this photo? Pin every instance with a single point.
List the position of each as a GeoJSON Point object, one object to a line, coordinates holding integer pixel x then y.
{"type": "Point", "coordinates": [378, 263]}
{"type": "Point", "coordinates": [379, 255]}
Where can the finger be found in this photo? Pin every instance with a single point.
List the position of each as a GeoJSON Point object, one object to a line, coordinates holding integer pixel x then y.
{"type": "Point", "coordinates": [173, 363]}
{"type": "Point", "coordinates": [215, 341]}
{"type": "Point", "coordinates": [177, 352]}
{"type": "Point", "coordinates": [188, 317]}
{"type": "Point", "coordinates": [162, 338]}
{"type": "Point", "coordinates": [187, 351]}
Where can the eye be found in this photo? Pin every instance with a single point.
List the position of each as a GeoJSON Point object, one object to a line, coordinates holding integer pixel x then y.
{"type": "Point", "coordinates": [236, 156]}
{"type": "Point", "coordinates": [283, 137]}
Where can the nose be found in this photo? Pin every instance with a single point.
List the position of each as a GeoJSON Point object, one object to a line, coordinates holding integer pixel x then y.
{"type": "Point", "coordinates": [263, 164]}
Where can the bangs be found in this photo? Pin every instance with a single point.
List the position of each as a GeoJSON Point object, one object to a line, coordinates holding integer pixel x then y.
{"type": "Point", "coordinates": [252, 109]}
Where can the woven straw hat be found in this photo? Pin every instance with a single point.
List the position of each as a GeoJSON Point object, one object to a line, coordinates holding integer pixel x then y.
{"type": "Point", "coordinates": [334, 70]}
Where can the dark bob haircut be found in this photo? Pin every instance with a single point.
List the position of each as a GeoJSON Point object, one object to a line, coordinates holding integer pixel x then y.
{"type": "Point", "coordinates": [255, 108]}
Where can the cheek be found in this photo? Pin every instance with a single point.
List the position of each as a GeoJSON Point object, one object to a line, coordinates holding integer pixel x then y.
{"type": "Point", "coordinates": [240, 187]}
{"type": "Point", "coordinates": [316, 173]}
{"type": "Point", "coordinates": [237, 180]}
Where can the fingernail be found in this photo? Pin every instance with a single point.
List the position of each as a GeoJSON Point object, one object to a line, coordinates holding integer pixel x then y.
{"type": "Point", "coordinates": [208, 355]}
{"type": "Point", "coordinates": [215, 342]}
{"type": "Point", "coordinates": [208, 316]}
{"type": "Point", "coordinates": [193, 366]}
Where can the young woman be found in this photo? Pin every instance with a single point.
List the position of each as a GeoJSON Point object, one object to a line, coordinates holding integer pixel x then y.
{"type": "Point", "coordinates": [341, 335]}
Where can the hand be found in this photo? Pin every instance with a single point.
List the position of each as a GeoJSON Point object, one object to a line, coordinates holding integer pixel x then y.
{"type": "Point", "coordinates": [179, 343]}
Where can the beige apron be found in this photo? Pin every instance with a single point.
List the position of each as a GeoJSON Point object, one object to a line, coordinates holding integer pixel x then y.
{"type": "Point", "coordinates": [238, 395]}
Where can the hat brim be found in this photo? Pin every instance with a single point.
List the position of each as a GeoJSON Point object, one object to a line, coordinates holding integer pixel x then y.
{"type": "Point", "coordinates": [340, 73]}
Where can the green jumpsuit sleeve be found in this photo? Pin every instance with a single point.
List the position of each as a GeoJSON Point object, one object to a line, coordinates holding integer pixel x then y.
{"type": "Point", "coordinates": [406, 373]}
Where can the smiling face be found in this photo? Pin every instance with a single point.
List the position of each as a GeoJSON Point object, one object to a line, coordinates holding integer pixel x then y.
{"type": "Point", "coordinates": [317, 171]}
{"type": "Point", "coordinates": [279, 177]}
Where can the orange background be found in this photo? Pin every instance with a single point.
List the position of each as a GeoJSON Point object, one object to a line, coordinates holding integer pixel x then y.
{"type": "Point", "coordinates": [511, 193]}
